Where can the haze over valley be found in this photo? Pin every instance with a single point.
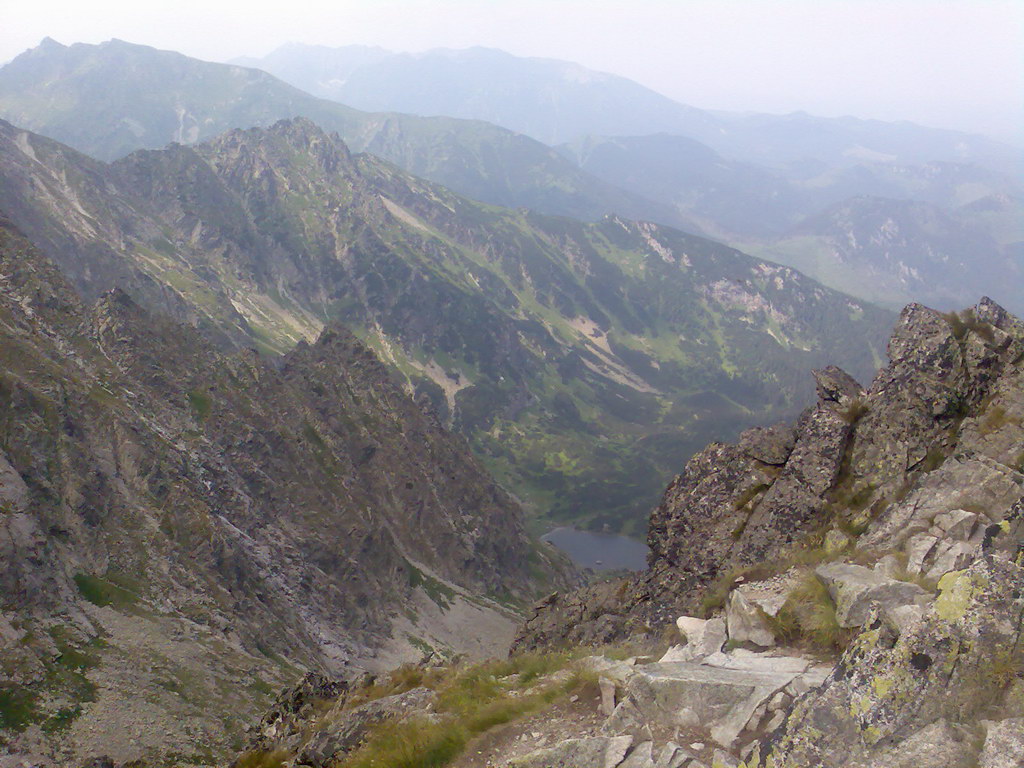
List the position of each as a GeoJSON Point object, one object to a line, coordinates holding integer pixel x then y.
{"type": "Point", "coordinates": [322, 367]}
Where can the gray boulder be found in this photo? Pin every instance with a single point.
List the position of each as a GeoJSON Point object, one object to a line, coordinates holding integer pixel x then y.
{"type": "Point", "coordinates": [703, 637]}
{"type": "Point", "coordinates": [723, 699]}
{"type": "Point", "coordinates": [938, 745]}
{"type": "Point", "coordinates": [746, 622]}
{"type": "Point", "coordinates": [836, 385]}
{"type": "Point", "coordinates": [769, 445]}
{"type": "Point", "coordinates": [857, 590]}
{"type": "Point", "coordinates": [1004, 744]}
{"type": "Point", "coordinates": [943, 665]}
{"type": "Point", "coordinates": [589, 752]}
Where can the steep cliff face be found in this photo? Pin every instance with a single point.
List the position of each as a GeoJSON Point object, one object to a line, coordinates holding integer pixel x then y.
{"type": "Point", "coordinates": [848, 462]}
{"type": "Point", "coordinates": [582, 361]}
{"type": "Point", "coordinates": [182, 530]}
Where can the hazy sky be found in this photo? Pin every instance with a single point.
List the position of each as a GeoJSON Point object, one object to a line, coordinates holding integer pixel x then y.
{"type": "Point", "coordinates": [955, 63]}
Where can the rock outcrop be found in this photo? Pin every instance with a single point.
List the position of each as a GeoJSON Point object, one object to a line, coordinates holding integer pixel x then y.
{"type": "Point", "coordinates": [938, 430]}
{"type": "Point", "coordinates": [886, 525]}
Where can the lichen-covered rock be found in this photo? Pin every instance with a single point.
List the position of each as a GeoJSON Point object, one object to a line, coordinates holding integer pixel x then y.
{"type": "Point", "coordinates": [769, 445]}
{"type": "Point", "coordinates": [884, 690]}
{"type": "Point", "coordinates": [937, 745]}
{"type": "Point", "coordinates": [837, 386]}
{"type": "Point", "coordinates": [796, 499]}
{"type": "Point", "coordinates": [939, 371]}
{"type": "Point", "coordinates": [963, 480]}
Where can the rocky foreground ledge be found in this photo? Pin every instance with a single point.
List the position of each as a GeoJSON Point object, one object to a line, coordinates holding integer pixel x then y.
{"type": "Point", "coordinates": [847, 591]}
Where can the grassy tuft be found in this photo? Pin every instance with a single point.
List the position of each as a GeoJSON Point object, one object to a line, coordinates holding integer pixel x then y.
{"type": "Point", "coordinates": [17, 707]}
{"type": "Point", "coordinates": [994, 419]}
{"type": "Point", "coordinates": [259, 758]}
{"type": "Point", "coordinates": [956, 326]}
{"type": "Point", "coordinates": [470, 702]}
{"type": "Point", "coordinates": [808, 617]}
{"type": "Point", "coordinates": [960, 324]}
{"type": "Point", "coordinates": [854, 411]}
{"type": "Point", "coordinates": [749, 495]}
{"type": "Point", "coordinates": [411, 744]}
{"type": "Point", "coordinates": [201, 403]}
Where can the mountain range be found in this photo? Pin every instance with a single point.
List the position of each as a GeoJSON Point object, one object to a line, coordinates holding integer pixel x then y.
{"type": "Point", "coordinates": [755, 181]}
{"type": "Point", "coordinates": [287, 390]}
{"type": "Point", "coordinates": [110, 99]}
{"type": "Point", "coordinates": [558, 101]}
{"type": "Point", "coordinates": [580, 360]}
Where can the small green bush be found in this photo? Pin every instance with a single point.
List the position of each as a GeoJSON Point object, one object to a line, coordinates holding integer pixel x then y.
{"type": "Point", "coordinates": [956, 325]}
{"type": "Point", "coordinates": [477, 699]}
{"type": "Point", "coordinates": [260, 758]}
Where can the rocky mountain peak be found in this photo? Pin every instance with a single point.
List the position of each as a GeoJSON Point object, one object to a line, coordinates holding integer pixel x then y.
{"type": "Point", "coordinates": [277, 144]}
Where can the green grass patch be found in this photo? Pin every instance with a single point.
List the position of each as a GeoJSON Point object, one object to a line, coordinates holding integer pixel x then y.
{"type": "Point", "coordinates": [478, 699]}
{"type": "Point", "coordinates": [61, 719]}
{"type": "Point", "coordinates": [72, 656]}
{"type": "Point", "coordinates": [259, 758]}
{"type": "Point", "coordinates": [441, 594]}
{"type": "Point", "coordinates": [854, 412]}
{"type": "Point", "coordinates": [201, 404]}
{"type": "Point", "coordinates": [102, 592]}
{"type": "Point", "coordinates": [17, 707]}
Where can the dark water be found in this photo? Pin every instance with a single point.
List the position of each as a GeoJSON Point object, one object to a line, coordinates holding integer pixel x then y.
{"type": "Point", "coordinates": [600, 551]}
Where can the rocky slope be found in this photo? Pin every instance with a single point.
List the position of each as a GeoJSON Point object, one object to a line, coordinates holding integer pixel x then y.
{"type": "Point", "coordinates": [849, 462]}
{"type": "Point", "coordinates": [859, 574]}
{"type": "Point", "coordinates": [182, 530]}
{"type": "Point", "coordinates": [582, 361]}
{"type": "Point", "coordinates": [941, 233]}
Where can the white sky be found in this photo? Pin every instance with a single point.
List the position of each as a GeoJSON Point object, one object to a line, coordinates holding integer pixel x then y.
{"type": "Point", "coordinates": [952, 63]}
